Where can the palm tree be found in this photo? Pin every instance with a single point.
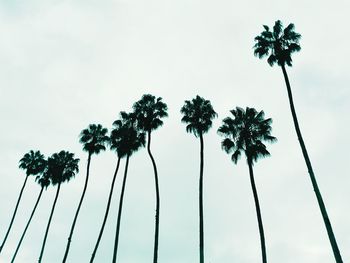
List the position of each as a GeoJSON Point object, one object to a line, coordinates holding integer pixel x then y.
{"type": "Point", "coordinates": [279, 45]}
{"type": "Point", "coordinates": [198, 114]}
{"type": "Point", "coordinates": [44, 182]}
{"type": "Point", "coordinates": [106, 212]}
{"type": "Point", "coordinates": [126, 139]}
{"type": "Point", "coordinates": [34, 163]}
{"type": "Point", "coordinates": [94, 139]}
{"type": "Point", "coordinates": [246, 133]}
{"type": "Point", "coordinates": [61, 168]}
{"type": "Point", "coordinates": [149, 110]}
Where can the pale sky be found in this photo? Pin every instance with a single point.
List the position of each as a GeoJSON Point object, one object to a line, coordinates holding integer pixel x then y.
{"type": "Point", "coordinates": [66, 64]}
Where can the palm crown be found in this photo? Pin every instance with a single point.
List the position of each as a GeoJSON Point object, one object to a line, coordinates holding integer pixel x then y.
{"type": "Point", "coordinates": [246, 132]}
{"type": "Point", "coordinates": [198, 114]}
{"type": "Point", "coordinates": [43, 180]}
{"type": "Point", "coordinates": [126, 138]}
{"type": "Point", "coordinates": [94, 138]}
{"type": "Point", "coordinates": [149, 110]}
{"type": "Point", "coordinates": [278, 45]}
{"type": "Point", "coordinates": [61, 167]}
{"type": "Point", "coordinates": [33, 162]}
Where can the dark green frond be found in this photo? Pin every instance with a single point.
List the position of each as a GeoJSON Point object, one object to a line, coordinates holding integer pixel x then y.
{"type": "Point", "coordinates": [126, 138]}
{"type": "Point", "coordinates": [272, 60]}
{"type": "Point", "coordinates": [43, 180]}
{"type": "Point", "coordinates": [235, 156]}
{"type": "Point", "coordinates": [277, 29]}
{"type": "Point", "coordinates": [62, 167]}
{"type": "Point", "coordinates": [228, 145]}
{"type": "Point", "coordinates": [278, 45]}
{"type": "Point", "coordinates": [149, 111]}
{"type": "Point", "coordinates": [198, 115]}
{"type": "Point", "coordinates": [94, 138]}
{"type": "Point", "coordinates": [33, 162]}
{"type": "Point", "coordinates": [245, 132]}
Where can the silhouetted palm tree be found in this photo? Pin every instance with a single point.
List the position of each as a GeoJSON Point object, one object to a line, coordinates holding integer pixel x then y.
{"type": "Point", "coordinates": [34, 163]}
{"type": "Point", "coordinates": [61, 167]}
{"type": "Point", "coordinates": [44, 182]}
{"type": "Point", "coordinates": [149, 112]}
{"type": "Point", "coordinates": [106, 212]}
{"type": "Point", "coordinates": [246, 133]}
{"type": "Point", "coordinates": [279, 45]}
{"type": "Point", "coordinates": [126, 139]}
{"type": "Point", "coordinates": [94, 139]}
{"type": "Point", "coordinates": [198, 114]}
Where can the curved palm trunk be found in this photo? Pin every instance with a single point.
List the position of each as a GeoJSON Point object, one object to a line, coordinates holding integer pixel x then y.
{"type": "Point", "coordinates": [258, 213]}
{"type": "Point", "coordinates": [321, 204]}
{"type": "Point", "coordinates": [201, 223]}
{"type": "Point", "coordinates": [28, 223]}
{"type": "Point", "coordinates": [48, 224]}
{"type": "Point", "coordinates": [14, 214]}
{"type": "Point", "coordinates": [106, 213]}
{"type": "Point", "coordinates": [78, 209]}
{"type": "Point", "coordinates": [120, 211]}
{"type": "Point", "coordinates": [156, 231]}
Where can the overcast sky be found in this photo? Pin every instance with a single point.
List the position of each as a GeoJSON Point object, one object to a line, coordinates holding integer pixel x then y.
{"type": "Point", "coordinates": [66, 64]}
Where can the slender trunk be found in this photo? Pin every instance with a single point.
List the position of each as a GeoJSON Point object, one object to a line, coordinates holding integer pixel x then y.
{"type": "Point", "coordinates": [321, 204]}
{"type": "Point", "coordinates": [106, 213]}
{"type": "Point", "coordinates": [201, 224]}
{"type": "Point", "coordinates": [48, 224]}
{"type": "Point", "coordinates": [78, 209]}
{"type": "Point", "coordinates": [28, 223]}
{"type": "Point", "coordinates": [156, 231]}
{"type": "Point", "coordinates": [258, 213]}
{"type": "Point", "coordinates": [14, 213]}
{"type": "Point", "coordinates": [120, 211]}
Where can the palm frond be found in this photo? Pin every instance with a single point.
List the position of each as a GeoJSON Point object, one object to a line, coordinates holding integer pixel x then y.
{"type": "Point", "coordinates": [236, 156]}
{"type": "Point", "coordinates": [245, 132]}
{"type": "Point", "coordinates": [277, 45]}
{"type": "Point", "coordinates": [126, 138]}
{"type": "Point", "coordinates": [149, 111]}
{"type": "Point", "coordinates": [277, 29]}
{"type": "Point", "coordinates": [228, 145]}
{"type": "Point", "coordinates": [33, 162]}
{"type": "Point", "coordinates": [198, 115]}
{"type": "Point", "coordinates": [94, 138]}
{"type": "Point", "coordinates": [61, 167]}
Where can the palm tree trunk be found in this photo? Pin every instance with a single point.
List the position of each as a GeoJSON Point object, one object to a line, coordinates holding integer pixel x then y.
{"type": "Point", "coordinates": [156, 231]}
{"type": "Point", "coordinates": [321, 204]}
{"type": "Point", "coordinates": [14, 214]}
{"type": "Point", "coordinates": [120, 211]}
{"type": "Point", "coordinates": [78, 209]}
{"type": "Point", "coordinates": [201, 223]}
{"type": "Point", "coordinates": [30, 219]}
{"type": "Point", "coordinates": [48, 224]}
{"type": "Point", "coordinates": [258, 213]}
{"type": "Point", "coordinates": [106, 213]}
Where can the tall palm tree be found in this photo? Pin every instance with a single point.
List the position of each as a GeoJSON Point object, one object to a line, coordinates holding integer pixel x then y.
{"type": "Point", "coordinates": [126, 139]}
{"type": "Point", "coordinates": [149, 111]}
{"type": "Point", "coordinates": [33, 163]}
{"type": "Point", "coordinates": [246, 133]}
{"type": "Point", "coordinates": [61, 168]}
{"type": "Point", "coordinates": [198, 114]}
{"type": "Point", "coordinates": [44, 182]}
{"type": "Point", "coordinates": [94, 139]}
{"type": "Point", "coordinates": [278, 45]}
{"type": "Point", "coordinates": [106, 212]}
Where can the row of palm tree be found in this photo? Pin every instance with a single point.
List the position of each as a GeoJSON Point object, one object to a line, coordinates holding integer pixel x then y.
{"type": "Point", "coordinates": [58, 168]}
{"type": "Point", "coordinates": [244, 133]}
